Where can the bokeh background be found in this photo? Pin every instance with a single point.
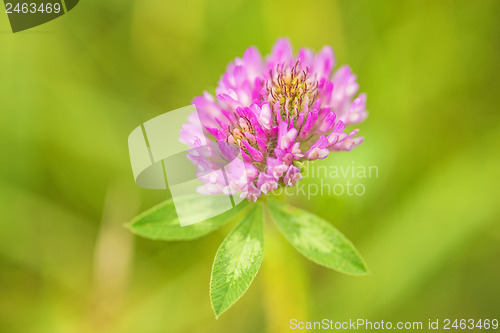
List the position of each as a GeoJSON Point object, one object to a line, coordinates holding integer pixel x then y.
{"type": "Point", "coordinates": [73, 89]}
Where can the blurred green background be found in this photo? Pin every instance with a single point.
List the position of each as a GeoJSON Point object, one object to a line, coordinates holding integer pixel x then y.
{"type": "Point", "coordinates": [73, 89]}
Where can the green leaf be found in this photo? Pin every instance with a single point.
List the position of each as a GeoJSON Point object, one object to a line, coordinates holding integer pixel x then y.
{"type": "Point", "coordinates": [317, 239]}
{"type": "Point", "coordinates": [161, 223]}
{"type": "Point", "coordinates": [237, 261]}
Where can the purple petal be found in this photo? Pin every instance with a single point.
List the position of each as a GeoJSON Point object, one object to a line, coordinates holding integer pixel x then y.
{"type": "Point", "coordinates": [324, 62]}
{"type": "Point", "coordinates": [262, 145]}
{"type": "Point", "coordinates": [292, 176]}
{"type": "Point", "coordinates": [282, 53]}
{"type": "Point", "coordinates": [253, 62]}
{"type": "Point", "coordinates": [328, 123]}
{"type": "Point", "coordinates": [266, 183]}
{"type": "Point", "coordinates": [256, 155]}
{"type": "Point", "coordinates": [284, 141]}
{"type": "Point", "coordinates": [305, 58]}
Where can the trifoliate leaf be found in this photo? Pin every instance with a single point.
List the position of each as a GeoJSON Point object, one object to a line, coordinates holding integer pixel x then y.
{"type": "Point", "coordinates": [237, 261]}
{"type": "Point", "coordinates": [317, 239]}
{"type": "Point", "coordinates": [161, 223]}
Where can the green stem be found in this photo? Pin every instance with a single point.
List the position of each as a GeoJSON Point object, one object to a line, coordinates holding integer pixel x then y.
{"type": "Point", "coordinates": [284, 280]}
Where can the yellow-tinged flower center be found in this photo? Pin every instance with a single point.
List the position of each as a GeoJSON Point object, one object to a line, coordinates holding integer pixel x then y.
{"type": "Point", "coordinates": [292, 87]}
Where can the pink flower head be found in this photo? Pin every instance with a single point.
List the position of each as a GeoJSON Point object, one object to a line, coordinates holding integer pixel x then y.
{"type": "Point", "coordinates": [277, 111]}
